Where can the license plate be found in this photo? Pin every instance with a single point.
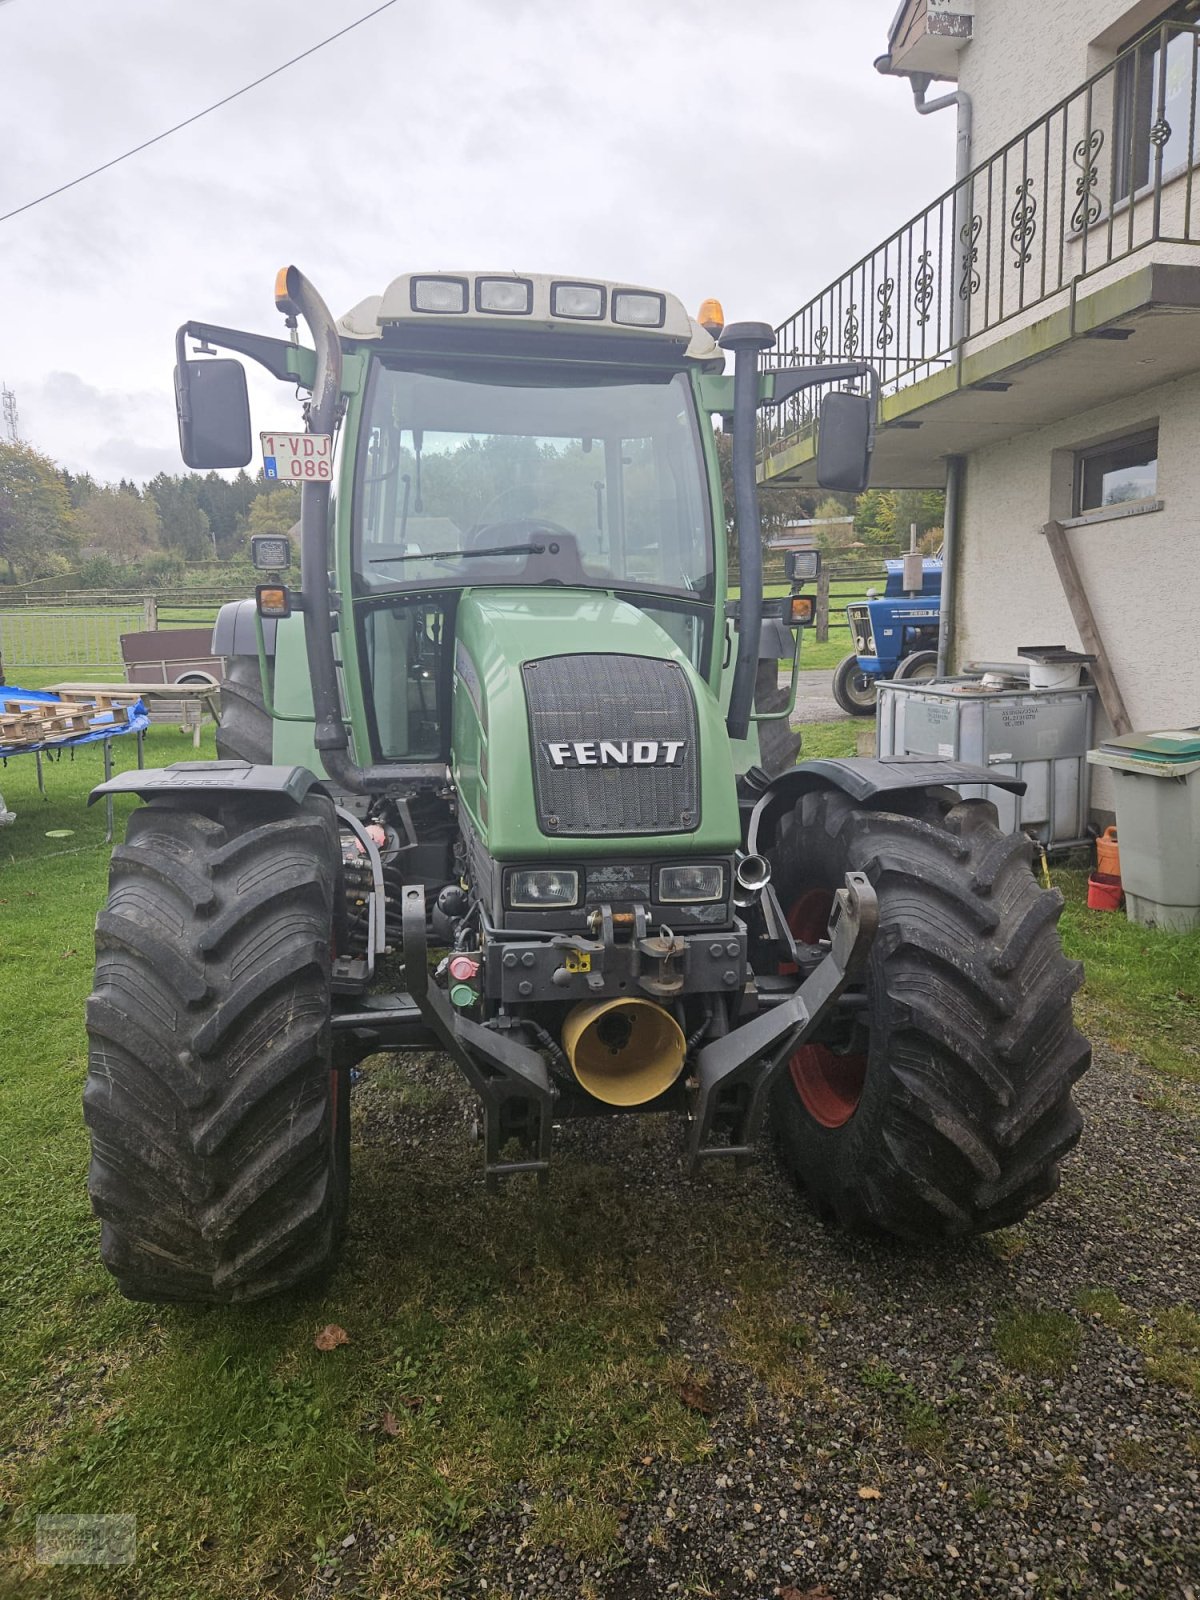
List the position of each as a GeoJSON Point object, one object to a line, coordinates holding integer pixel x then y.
{"type": "Point", "coordinates": [298, 457]}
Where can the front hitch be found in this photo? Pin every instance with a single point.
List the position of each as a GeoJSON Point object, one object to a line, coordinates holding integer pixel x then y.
{"type": "Point", "coordinates": [736, 1073]}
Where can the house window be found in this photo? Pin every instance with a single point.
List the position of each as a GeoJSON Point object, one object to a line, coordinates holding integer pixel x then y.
{"type": "Point", "coordinates": [1113, 474]}
{"type": "Point", "coordinates": [1143, 77]}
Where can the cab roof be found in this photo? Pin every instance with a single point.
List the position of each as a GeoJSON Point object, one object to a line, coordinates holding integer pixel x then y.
{"type": "Point", "coordinates": [539, 301]}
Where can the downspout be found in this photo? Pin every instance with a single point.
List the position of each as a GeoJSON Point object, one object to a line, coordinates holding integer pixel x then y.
{"type": "Point", "coordinates": [956, 466]}
{"type": "Point", "coordinates": [964, 152]}
{"type": "Point", "coordinates": [956, 472]}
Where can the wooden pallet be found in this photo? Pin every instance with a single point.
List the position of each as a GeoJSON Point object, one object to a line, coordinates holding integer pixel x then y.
{"type": "Point", "coordinates": [25, 723]}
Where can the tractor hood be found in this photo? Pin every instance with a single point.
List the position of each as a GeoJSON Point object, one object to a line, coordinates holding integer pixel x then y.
{"type": "Point", "coordinates": [581, 729]}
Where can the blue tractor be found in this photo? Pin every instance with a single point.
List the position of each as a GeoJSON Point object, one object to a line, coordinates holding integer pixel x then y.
{"type": "Point", "coordinates": [895, 636]}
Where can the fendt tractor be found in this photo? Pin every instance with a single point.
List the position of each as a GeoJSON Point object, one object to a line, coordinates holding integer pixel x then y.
{"type": "Point", "coordinates": [508, 775]}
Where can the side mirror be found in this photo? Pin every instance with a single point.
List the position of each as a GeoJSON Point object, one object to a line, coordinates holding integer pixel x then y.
{"type": "Point", "coordinates": [802, 566]}
{"type": "Point", "coordinates": [844, 442]}
{"type": "Point", "coordinates": [213, 406]}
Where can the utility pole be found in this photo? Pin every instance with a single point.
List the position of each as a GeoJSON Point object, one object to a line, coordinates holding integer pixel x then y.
{"type": "Point", "coordinates": [8, 405]}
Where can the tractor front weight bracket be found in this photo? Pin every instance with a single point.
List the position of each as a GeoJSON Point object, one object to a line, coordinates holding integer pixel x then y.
{"type": "Point", "coordinates": [736, 1073]}
{"type": "Point", "coordinates": [510, 1079]}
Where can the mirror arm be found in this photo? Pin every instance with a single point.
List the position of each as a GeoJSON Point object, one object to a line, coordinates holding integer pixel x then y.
{"type": "Point", "coordinates": [274, 354]}
{"type": "Point", "coordinates": [790, 380]}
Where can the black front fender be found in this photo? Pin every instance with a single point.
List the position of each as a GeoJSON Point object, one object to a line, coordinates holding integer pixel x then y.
{"type": "Point", "coordinates": [863, 778]}
{"type": "Point", "coordinates": [209, 777]}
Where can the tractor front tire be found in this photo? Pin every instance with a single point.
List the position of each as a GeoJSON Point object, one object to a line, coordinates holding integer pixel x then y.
{"type": "Point", "coordinates": [942, 1106]}
{"type": "Point", "coordinates": [219, 1127]}
{"type": "Point", "coordinates": [245, 730]}
{"type": "Point", "coordinates": [854, 690]}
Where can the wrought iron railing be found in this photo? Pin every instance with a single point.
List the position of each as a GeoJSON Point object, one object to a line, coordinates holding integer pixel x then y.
{"type": "Point", "coordinates": [1106, 172]}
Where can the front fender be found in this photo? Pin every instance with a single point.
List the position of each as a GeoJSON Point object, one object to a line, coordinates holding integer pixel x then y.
{"type": "Point", "coordinates": [862, 778]}
{"type": "Point", "coordinates": [210, 777]}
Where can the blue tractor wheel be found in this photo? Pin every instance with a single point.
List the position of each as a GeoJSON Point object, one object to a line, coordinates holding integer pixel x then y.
{"type": "Point", "coordinates": [853, 689]}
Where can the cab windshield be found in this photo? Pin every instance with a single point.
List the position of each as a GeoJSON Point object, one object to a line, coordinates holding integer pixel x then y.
{"type": "Point", "coordinates": [494, 480]}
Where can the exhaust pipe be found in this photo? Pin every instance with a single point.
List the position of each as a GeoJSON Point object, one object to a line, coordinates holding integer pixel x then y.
{"type": "Point", "coordinates": [624, 1052]}
{"type": "Point", "coordinates": [751, 876]}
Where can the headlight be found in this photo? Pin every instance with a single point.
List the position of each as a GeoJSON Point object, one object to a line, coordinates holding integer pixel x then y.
{"type": "Point", "coordinates": [677, 885]}
{"type": "Point", "coordinates": [536, 888]}
{"type": "Point", "coordinates": [639, 310]}
{"type": "Point", "coordinates": [439, 294]}
{"type": "Point", "coordinates": [509, 296]}
{"type": "Point", "coordinates": [582, 300]}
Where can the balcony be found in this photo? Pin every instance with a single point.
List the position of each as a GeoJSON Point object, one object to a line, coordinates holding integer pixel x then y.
{"type": "Point", "coordinates": [1062, 272]}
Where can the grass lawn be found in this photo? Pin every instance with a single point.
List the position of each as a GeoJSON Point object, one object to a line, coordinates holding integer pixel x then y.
{"type": "Point", "coordinates": [494, 1341]}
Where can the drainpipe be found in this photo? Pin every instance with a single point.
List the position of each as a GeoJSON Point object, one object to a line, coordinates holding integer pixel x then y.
{"type": "Point", "coordinates": [956, 472]}
{"type": "Point", "coordinates": [920, 82]}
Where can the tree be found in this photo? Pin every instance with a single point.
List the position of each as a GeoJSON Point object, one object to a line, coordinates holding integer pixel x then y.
{"type": "Point", "coordinates": [275, 510]}
{"type": "Point", "coordinates": [873, 517]}
{"type": "Point", "coordinates": [884, 516]}
{"type": "Point", "coordinates": [122, 524]}
{"type": "Point", "coordinates": [777, 506]}
{"type": "Point", "coordinates": [185, 527]}
{"type": "Point", "coordinates": [36, 534]}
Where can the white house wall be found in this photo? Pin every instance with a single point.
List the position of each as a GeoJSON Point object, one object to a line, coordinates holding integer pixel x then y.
{"type": "Point", "coordinates": [1142, 573]}
{"type": "Point", "coordinates": [1026, 55]}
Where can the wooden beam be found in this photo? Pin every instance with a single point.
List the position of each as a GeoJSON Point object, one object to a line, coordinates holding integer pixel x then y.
{"type": "Point", "coordinates": [1085, 622]}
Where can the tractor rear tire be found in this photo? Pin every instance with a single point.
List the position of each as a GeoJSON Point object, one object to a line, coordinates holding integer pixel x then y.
{"type": "Point", "coordinates": [778, 742]}
{"type": "Point", "coordinates": [245, 730]}
{"type": "Point", "coordinates": [853, 689]}
{"type": "Point", "coordinates": [219, 1127]}
{"type": "Point", "coordinates": [943, 1107]}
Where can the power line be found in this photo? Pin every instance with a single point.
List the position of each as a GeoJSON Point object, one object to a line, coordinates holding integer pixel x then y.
{"type": "Point", "coordinates": [187, 121]}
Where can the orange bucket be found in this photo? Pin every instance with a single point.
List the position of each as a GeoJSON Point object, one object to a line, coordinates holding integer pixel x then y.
{"type": "Point", "coordinates": [1104, 892]}
{"type": "Point", "coordinates": [1108, 854]}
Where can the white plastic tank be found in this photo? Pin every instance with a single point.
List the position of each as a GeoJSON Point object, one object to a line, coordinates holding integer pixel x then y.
{"type": "Point", "coordinates": [1041, 736]}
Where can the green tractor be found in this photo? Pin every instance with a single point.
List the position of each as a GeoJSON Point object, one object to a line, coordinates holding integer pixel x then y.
{"type": "Point", "coordinates": [509, 776]}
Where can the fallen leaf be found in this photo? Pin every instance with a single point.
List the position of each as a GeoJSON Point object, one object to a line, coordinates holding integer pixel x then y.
{"type": "Point", "coordinates": [696, 1397]}
{"type": "Point", "coordinates": [331, 1336]}
{"type": "Point", "coordinates": [789, 1591]}
{"type": "Point", "coordinates": [388, 1423]}
{"type": "Point", "coordinates": [867, 1493]}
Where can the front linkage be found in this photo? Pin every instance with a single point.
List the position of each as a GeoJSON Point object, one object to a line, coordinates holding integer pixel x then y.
{"type": "Point", "coordinates": [727, 1091]}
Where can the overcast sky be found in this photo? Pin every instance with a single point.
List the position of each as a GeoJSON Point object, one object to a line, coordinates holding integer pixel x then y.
{"type": "Point", "coordinates": [747, 151]}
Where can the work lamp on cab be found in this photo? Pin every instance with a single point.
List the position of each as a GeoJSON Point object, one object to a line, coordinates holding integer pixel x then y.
{"type": "Point", "coordinates": [271, 552]}
{"type": "Point", "coordinates": [639, 310]}
{"type": "Point", "coordinates": [583, 301]}
{"type": "Point", "coordinates": [682, 885]}
{"type": "Point", "coordinates": [506, 297]}
{"type": "Point", "coordinates": [535, 889]}
{"type": "Point", "coordinates": [444, 296]}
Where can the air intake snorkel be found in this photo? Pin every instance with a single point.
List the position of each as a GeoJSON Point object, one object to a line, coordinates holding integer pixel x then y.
{"type": "Point", "coordinates": [296, 296]}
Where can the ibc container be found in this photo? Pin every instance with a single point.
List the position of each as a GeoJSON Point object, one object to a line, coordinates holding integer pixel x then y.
{"type": "Point", "coordinates": [1041, 736]}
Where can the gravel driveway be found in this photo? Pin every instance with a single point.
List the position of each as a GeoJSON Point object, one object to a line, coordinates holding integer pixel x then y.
{"type": "Point", "coordinates": [814, 697]}
{"type": "Point", "coordinates": [1015, 1417]}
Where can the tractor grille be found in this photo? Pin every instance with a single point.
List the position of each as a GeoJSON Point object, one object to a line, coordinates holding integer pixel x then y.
{"type": "Point", "coordinates": [623, 701]}
{"type": "Point", "coordinates": [861, 634]}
